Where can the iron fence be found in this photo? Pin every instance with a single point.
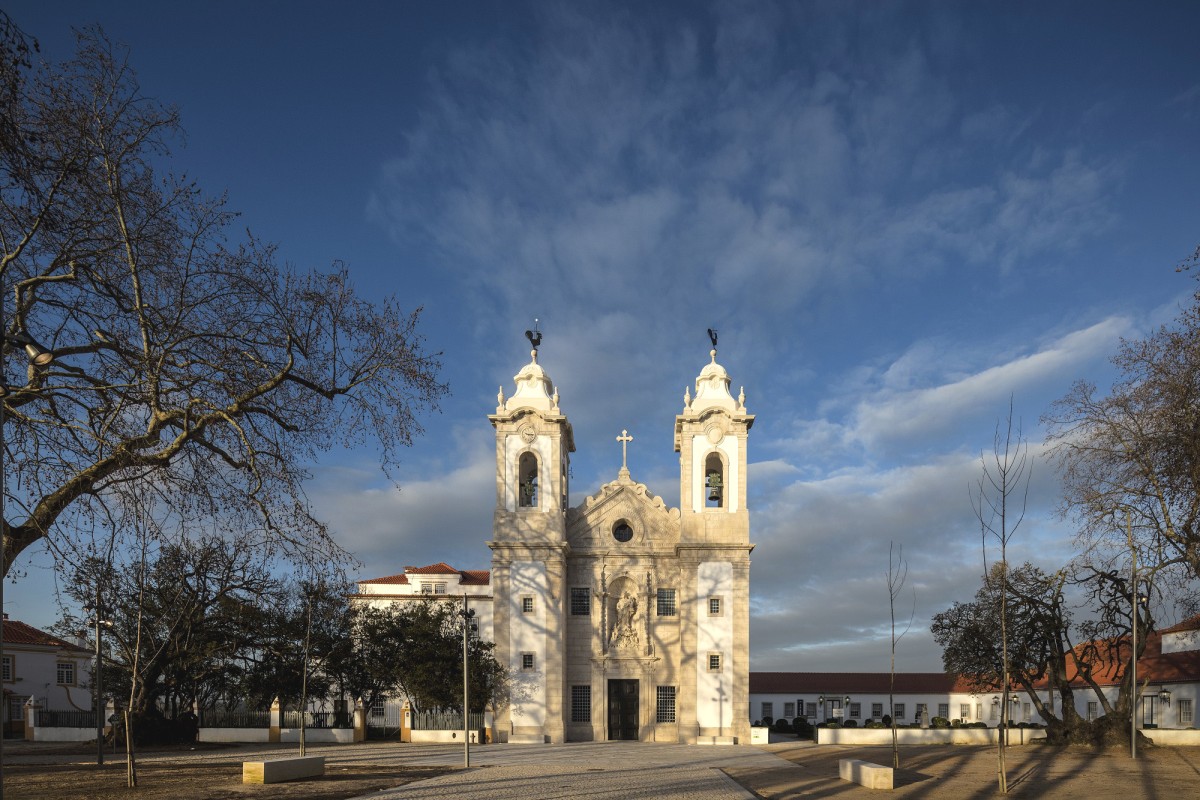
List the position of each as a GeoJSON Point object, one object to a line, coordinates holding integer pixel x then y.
{"type": "Point", "coordinates": [225, 718]}
{"type": "Point", "coordinates": [445, 721]}
{"type": "Point", "coordinates": [318, 719]}
{"type": "Point", "coordinates": [74, 718]}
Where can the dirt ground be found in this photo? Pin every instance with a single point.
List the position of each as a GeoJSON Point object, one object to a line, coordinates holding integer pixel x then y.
{"type": "Point", "coordinates": [217, 779]}
{"type": "Point", "coordinates": [955, 772]}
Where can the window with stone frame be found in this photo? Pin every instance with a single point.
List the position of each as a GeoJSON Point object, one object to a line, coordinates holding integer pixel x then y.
{"type": "Point", "coordinates": [666, 603]}
{"type": "Point", "coordinates": [789, 710]}
{"type": "Point", "coordinates": [1093, 708]}
{"type": "Point", "coordinates": [581, 602]}
{"type": "Point", "coordinates": [944, 710]}
{"type": "Point", "coordinates": [898, 711]}
{"type": "Point", "coordinates": [876, 710]}
{"type": "Point", "coordinates": [379, 706]}
{"type": "Point", "coordinates": [810, 709]}
{"type": "Point", "coordinates": [964, 711]}
{"type": "Point", "coordinates": [714, 606]}
{"type": "Point", "coordinates": [64, 672]}
{"type": "Point", "coordinates": [855, 710]}
{"type": "Point", "coordinates": [664, 711]}
{"type": "Point", "coordinates": [6, 669]}
{"type": "Point", "coordinates": [581, 703]}
{"type": "Point", "coordinates": [527, 604]}
{"type": "Point", "coordinates": [979, 712]}
{"type": "Point", "coordinates": [527, 662]}
{"type": "Point", "coordinates": [768, 711]}
{"type": "Point", "coordinates": [1183, 711]}
{"type": "Point", "coordinates": [714, 662]}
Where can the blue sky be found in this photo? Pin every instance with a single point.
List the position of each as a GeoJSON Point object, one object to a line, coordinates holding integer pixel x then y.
{"type": "Point", "coordinates": [898, 215]}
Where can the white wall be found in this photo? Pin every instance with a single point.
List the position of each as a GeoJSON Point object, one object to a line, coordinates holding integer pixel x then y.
{"type": "Point", "coordinates": [714, 690]}
{"type": "Point", "coordinates": [527, 634]}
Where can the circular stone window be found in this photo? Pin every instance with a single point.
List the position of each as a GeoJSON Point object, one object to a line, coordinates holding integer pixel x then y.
{"type": "Point", "coordinates": [622, 532]}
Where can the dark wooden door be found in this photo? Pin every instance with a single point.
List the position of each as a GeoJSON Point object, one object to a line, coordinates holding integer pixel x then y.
{"type": "Point", "coordinates": [623, 710]}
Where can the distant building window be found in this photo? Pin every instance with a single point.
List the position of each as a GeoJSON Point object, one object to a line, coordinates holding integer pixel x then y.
{"type": "Point", "coordinates": [944, 710]}
{"type": "Point", "coordinates": [581, 704]}
{"type": "Point", "coordinates": [426, 588]}
{"type": "Point", "coordinates": [6, 669]}
{"type": "Point", "coordinates": [964, 711]}
{"type": "Point", "coordinates": [810, 709]}
{"type": "Point", "coordinates": [768, 710]}
{"type": "Point", "coordinates": [714, 662]}
{"type": "Point", "coordinates": [855, 710]}
{"type": "Point", "coordinates": [1093, 710]}
{"type": "Point", "coordinates": [1026, 710]}
{"type": "Point", "coordinates": [433, 588]}
{"type": "Point", "coordinates": [979, 712]}
{"type": "Point", "coordinates": [581, 602]}
{"type": "Point", "coordinates": [666, 602]}
{"type": "Point", "coordinates": [1185, 712]}
{"type": "Point", "coordinates": [527, 604]}
{"type": "Point", "coordinates": [526, 661]}
{"type": "Point", "coordinates": [439, 588]}
{"type": "Point", "coordinates": [876, 710]}
{"type": "Point", "coordinates": [714, 606]}
{"type": "Point", "coordinates": [665, 709]}
{"type": "Point", "coordinates": [65, 673]}
{"type": "Point", "coordinates": [898, 711]}
{"type": "Point", "coordinates": [789, 710]}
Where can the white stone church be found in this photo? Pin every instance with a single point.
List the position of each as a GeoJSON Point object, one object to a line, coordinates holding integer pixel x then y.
{"type": "Point", "coordinates": [619, 618]}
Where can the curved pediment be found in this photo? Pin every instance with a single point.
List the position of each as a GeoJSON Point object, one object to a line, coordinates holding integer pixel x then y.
{"type": "Point", "coordinates": [596, 522]}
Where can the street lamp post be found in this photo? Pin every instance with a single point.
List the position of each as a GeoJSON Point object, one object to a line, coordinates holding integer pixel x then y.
{"type": "Point", "coordinates": [38, 356]}
{"type": "Point", "coordinates": [98, 678]}
{"type": "Point", "coordinates": [467, 614]}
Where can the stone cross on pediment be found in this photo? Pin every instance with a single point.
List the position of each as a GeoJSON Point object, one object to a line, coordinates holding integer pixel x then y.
{"type": "Point", "coordinates": [624, 439]}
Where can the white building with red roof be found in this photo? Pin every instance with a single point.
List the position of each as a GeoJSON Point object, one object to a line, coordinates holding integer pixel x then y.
{"type": "Point", "coordinates": [53, 672]}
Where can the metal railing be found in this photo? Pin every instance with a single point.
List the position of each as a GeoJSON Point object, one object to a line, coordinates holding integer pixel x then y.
{"type": "Point", "coordinates": [224, 718]}
{"type": "Point", "coordinates": [49, 718]}
{"type": "Point", "coordinates": [319, 719]}
{"type": "Point", "coordinates": [445, 721]}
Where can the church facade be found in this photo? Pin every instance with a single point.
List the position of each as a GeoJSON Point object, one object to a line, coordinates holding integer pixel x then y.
{"type": "Point", "coordinates": [619, 618]}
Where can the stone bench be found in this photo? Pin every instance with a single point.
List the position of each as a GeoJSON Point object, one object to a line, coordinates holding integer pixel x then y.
{"type": "Point", "coordinates": [277, 770]}
{"type": "Point", "coordinates": [872, 776]}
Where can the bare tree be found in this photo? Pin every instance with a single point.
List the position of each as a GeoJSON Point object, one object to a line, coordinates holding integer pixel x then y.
{"type": "Point", "coordinates": [999, 498]}
{"type": "Point", "coordinates": [182, 359]}
{"type": "Point", "coordinates": [897, 574]}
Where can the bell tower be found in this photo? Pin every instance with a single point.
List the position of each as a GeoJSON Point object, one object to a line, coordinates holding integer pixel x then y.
{"type": "Point", "coordinates": [714, 558]}
{"type": "Point", "coordinates": [534, 442]}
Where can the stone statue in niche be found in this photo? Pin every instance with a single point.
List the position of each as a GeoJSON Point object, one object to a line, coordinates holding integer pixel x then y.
{"type": "Point", "coordinates": [624, 632]}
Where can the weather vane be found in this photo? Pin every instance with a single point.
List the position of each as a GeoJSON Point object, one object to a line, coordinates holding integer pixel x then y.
{"type": "Point", "coordinates": [712, 337]}
{"type": "Point", "coordinates": [534, 336]}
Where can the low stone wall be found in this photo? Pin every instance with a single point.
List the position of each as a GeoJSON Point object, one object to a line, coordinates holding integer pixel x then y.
{"type": "Point", "coordinates": [64, 734]}
{"type": "Point", "coordinates": [442, 737]}
{"type": "Point", "coordinates": [883, 736]}
{"type": "Point", "coordinates": [233, 735]}
{"type": "Point", "coordinates": [1166, 737]}
{"type": "Point", "coordinates": [318, 735]}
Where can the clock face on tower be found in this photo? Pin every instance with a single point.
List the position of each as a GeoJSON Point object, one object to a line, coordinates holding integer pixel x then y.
{"type": "Point", "coordinates": [622, 532]}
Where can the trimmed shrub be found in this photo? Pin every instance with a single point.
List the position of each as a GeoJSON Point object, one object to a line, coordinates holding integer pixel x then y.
{"type": "Point", "coordinates": [887, 720]}
{"type": "Point", "coordinates": [850, 723]}
{"type": "Point", "coordinates": [802, 728]}
{"type": "Point", "coordinates": [939, 722]}
{"type": "Point", "coordinates": [782, 725]}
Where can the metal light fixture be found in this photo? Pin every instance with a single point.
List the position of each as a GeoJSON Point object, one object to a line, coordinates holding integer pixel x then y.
{"type": "Point", "coordinates": [1164, 696]}
{"type": "Point", "coordinates": [38, 355]}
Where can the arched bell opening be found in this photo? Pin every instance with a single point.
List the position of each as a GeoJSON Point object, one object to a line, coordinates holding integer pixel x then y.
{"type": "Point", "coordinates": [527, 481]}
{"type": "Point", "coordinates": [715, 487]}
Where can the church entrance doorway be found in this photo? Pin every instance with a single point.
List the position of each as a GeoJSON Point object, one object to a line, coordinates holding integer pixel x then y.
{"type": "Point", "coordinates": [623, 710]}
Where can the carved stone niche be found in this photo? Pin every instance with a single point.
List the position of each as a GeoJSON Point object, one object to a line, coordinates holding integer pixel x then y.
{"type": "Point", "coordinates": [624, 615]}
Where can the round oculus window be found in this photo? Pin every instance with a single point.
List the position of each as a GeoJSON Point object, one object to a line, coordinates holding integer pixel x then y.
{"type": "Point", "coordinates": [622, 532]}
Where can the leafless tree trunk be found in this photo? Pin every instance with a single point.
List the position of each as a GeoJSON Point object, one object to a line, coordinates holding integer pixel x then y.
{"type": "Point", "coordinates": [896, 575]}
{"type": "Point", "coordinates": [1004, 480]}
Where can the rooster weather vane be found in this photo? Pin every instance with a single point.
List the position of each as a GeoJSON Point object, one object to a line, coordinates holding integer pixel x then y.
{"type": "Point", "coordinates": [534, 336]}
{"type": "Point", "coordinates": [712, 337]}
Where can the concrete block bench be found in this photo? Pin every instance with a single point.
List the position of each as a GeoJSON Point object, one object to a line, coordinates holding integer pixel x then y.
{"type": "Point", "coordinates": [277, 770]}
{"type": "Point", "coordinates": [872, 776]}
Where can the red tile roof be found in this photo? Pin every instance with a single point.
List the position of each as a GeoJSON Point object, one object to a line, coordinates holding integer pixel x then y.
{"type": "Point", "coordinates": [466, 577]}
{"type": "Point", "coordinates": [19, 633]}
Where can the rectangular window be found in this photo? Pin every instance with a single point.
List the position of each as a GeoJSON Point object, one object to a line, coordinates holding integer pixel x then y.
{"type": "Point", "coordinates": [964, 711]}
{"type": "Point", "coordinates": [666, 602]}
{"type": "Point", "coordinates": [944, 710]}
{"type": "Point", "coordinates": [581, 602]}
{"type": "Point", "coordinates": [1094, 708]}
{"type": "Point", "coordinates": [1026, 710]}
{"type": "Point", "coordinates": [665, 709]}
{"type": "Point", "coordinates": [789, 710]}
{"type": "Point", "coordinates": [377, 706]}
{"type": "Point", "coordinates": [581, 704]}
{"type": "Point", "coordinates": [6, 669]}
{"type": "Point", "coordinates": [439, 588]}
{"type": "Point", "coordinates": [527, 604]}
{"type": "Point", "coordinates": [995, 711]}
{"type": "Point", "coordinates": [1184, 710]}
{"type": "Point", "coordinates": [898, 711]}
{"type": "Point", "coordinates": [876, 710]}
{"type": "Point", "coordinates": [714, 662]}
{"type": "Point", "coordinates": [65, 672]}
{"type": "Point", "coordinates": [714, 606]}
{"type": "Point", "coordinates": [768, 710]}
{"type": "Point", "coordinates": [979, 712]}
{"type": "Point", "coordinates": [855, 710]}
{"type": "Point", "coordinates": [426, 588]}
{"type": "Point", "coordinates": [810, 709]}
{"type": "Point", "coordinates": [526, 661]}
